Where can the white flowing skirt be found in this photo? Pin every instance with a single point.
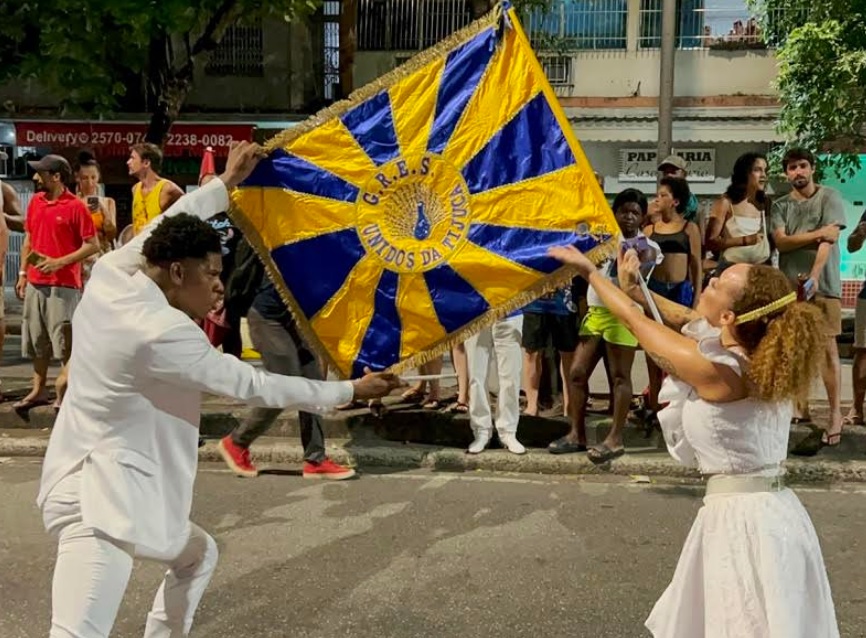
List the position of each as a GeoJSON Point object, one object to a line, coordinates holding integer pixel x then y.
{"type": "Point", "coordinates": [751, 567]}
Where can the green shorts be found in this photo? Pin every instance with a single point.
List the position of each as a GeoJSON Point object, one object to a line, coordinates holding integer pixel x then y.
{"type": "Point", "coordinates": [601, 322]}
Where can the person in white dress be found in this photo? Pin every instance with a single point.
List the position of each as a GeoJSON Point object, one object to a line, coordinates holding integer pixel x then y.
{"type": "Point", "coordinates": [751, 566]}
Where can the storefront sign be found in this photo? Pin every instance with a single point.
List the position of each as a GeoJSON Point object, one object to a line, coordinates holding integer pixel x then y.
{"type": "Point", "coordinates": [115, 138]}
{"type": "Point", "coordinates": [641, 164]}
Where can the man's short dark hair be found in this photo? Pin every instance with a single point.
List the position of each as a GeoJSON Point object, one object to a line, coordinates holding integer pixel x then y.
{"type": "Point", "coordinates": [796, 154]}
{"type": "Point", "coordinates": [180, 237]}
{"type": "Point", "coordinates": [630, 196]}
{"type": "Point", "coordinates": [149, 152]}
{"type": "Point", "coordinates": [679, 188]}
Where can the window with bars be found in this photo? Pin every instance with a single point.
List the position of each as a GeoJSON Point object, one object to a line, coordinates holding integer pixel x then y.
{"type": "Point", "coordinates": [409, 25]}
{"type": "Point", "coordinates": [557, 68]}
{"type": "Point", "coordinates": [331, 34]}
{"type": "Point", "coordinates": [576, 25]}
{"type": "Point", "coordinates": [240, 53]}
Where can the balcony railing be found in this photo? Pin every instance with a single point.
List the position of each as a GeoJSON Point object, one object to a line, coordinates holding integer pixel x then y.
{"type": "Point", "coordinates": [572, 25]}
{"type": "Point", "coordinates": [409, 25]}
{"type": "Point", "coordinates": [578, 25]}
{"type": "Point", "coordinates": [702, 24]}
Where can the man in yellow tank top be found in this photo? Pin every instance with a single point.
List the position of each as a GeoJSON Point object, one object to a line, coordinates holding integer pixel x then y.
{"type": "Point", "coordinates": [153, 194]}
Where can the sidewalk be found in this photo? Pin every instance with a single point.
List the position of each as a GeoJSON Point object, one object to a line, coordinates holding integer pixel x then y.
{"type": "Point", "coordinates": [642, 464]}
{"type": "Point", "coordinates": [407, 438]}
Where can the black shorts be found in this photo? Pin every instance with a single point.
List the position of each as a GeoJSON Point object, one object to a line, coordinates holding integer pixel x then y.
{"type": "Point", "coordinates": [540, 329]}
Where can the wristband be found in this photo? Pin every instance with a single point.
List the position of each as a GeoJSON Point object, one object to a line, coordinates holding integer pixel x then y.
{"type": "Point", "coordinates": [22, 273]}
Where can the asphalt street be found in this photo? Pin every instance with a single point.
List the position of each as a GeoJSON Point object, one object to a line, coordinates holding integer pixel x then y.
{"type": "Point", "coordinates": [421, 555]}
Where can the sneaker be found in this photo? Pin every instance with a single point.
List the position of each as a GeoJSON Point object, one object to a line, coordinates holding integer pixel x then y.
{"type": "Point", "coordinates": [237, 458]}
{"type": "Point", "coordinates": [327, 469]}
{"type": "Point", "coordinates": [477, 446]}
{"type": "Point", "coordinates": [512, 444]}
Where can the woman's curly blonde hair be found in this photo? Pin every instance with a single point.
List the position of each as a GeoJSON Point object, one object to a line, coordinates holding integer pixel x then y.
{"type": "Point", "coordinates": [786, 347]}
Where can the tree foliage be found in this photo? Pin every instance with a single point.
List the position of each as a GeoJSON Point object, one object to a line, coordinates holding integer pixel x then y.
{"type": "Point", "coordinates": [101, 56]}
{"type": "Point", "coordinates": [822, 74]}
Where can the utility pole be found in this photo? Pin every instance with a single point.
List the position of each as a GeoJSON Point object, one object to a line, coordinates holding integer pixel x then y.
{"type": "Point", "coordinates": [666, 79]}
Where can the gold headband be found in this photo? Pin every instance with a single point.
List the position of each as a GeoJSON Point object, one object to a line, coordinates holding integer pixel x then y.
{"type": "Point", "coordinates": [765, 310]}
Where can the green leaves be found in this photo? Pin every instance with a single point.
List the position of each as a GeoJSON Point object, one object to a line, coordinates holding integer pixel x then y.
{"type": "Point", "coordinates": [822, 75]}
{"type": "Point", "coordinates": [99, 56]}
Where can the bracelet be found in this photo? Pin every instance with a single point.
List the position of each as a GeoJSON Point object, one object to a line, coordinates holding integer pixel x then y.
{"type": "Point", "coordinates": [22, 273]}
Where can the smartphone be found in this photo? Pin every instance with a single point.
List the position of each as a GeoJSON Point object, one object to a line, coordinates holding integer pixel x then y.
{"type": "Point", "coordinates": [34, 258]}
{"type": "Point", "coordinates": [805, 288]}
{"type": "Point", "coordinates": [93, 202]}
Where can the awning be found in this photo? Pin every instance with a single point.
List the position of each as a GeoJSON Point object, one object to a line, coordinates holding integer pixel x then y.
{"type": "Point", "coordinates": [701, 131]}
{"type": "Point", "coordinates": [701, 189]}
{"type": "Point", "coordinates": [113, 138]}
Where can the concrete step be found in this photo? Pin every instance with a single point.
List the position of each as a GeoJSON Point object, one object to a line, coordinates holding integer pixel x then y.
{"type": "Point", "coordinates": [408, 424]}
{"type": "Point", "coordinates": [642, 464]}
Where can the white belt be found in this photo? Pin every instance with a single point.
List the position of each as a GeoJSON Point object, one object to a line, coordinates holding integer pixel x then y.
{"type": "Point", "coordinates": [733, 484]}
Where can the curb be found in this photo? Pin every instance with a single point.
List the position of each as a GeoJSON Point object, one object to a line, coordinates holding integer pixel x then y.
{"type": "Point", "coordinates": [638, 462]}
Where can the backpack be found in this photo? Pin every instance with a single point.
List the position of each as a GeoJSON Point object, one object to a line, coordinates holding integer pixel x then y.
{"type": "Point", "coordinates": [243, 283]}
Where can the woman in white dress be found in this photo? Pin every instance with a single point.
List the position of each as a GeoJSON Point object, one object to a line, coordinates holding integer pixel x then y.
{"type": "Point", "coordinates": [737, 228]}
{"type": "Point", "coordinates": [751, 566]}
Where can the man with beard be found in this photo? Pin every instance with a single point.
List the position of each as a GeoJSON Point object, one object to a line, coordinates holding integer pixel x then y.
{"type": "Point", "coordinates": [806, 225]}
{"type": "Point", "coordinates": [59, 236]}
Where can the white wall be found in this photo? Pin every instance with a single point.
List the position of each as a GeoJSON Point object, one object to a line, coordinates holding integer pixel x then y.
{"type": "Point", "coordinates": [698, 73]}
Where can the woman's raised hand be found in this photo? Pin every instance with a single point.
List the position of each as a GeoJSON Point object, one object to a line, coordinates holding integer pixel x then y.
{"type": "Point", "coordinates": [573, 257]}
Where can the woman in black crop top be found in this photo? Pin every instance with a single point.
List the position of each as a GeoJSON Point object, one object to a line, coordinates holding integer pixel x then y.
{"type": "Point", "coordinates": [679, 276]}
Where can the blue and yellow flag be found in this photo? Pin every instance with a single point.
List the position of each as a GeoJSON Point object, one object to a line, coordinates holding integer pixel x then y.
{"type": "Point", "coordinates": [411, 215]}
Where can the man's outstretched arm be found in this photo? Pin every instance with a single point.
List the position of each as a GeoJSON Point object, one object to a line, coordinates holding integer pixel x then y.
{"type": "Point", "coordinates": [207, 201]}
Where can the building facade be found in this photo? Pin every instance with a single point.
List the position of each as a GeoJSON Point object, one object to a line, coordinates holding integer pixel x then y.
{"type": "Point", "coordinates": [603, 59]}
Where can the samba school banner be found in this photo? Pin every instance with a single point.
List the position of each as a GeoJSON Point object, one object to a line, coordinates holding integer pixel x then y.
{"type": "Point", "coordinates": [406, 218]}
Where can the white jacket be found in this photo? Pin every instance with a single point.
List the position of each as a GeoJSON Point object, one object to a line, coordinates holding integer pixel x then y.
{"type": "Point", "coordinates": [130, 416]}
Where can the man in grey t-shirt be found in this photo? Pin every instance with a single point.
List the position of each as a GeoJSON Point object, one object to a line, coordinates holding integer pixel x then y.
{"type": "Point", "coordinates": [806, 225]}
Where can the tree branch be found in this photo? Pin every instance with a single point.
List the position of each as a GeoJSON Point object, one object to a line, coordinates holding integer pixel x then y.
{"type": "Point", "coordinates": [213, 32]}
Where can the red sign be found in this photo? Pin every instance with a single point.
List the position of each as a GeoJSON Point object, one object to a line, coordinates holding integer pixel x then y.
{"type": "Point", "coordinates": [115, 138]}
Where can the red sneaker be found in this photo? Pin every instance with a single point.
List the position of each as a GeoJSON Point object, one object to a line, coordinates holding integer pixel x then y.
{"type": "Point", "coordinates": [237, 458]}
{"type": "Point", "coordinates": [327, 469]}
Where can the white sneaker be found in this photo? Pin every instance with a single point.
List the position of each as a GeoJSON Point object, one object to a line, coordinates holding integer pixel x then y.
{"type": "Point", "coordinates": [512, 444]}
{"type": "Point", "coordinates": [477, 446]}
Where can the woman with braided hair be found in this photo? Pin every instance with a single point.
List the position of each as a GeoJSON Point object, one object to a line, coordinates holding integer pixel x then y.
{"type": "Point", "coordinates": [751, 566]}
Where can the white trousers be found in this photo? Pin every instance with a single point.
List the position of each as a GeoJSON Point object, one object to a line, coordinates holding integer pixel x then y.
{"type": "Point", "coordinates": [92, 572]}
{"type": "Point", "coordinates": [501, 340]}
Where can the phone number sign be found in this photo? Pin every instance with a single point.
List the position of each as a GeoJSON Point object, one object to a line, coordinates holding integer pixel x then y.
{"type": "Point", "coordinates": [115, 138]}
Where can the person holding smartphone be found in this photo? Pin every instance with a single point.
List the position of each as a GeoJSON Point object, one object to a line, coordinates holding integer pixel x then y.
{"type": "Point", "coordinates": [103, 210]}
{"type": "Point", "coordinates": [806, 225]}
{"type": "Point", "coordinates": [59, 236]}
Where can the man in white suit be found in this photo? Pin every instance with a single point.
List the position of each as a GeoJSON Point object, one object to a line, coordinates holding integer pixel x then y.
{"type": "Point", "coordinates": [118, 475]}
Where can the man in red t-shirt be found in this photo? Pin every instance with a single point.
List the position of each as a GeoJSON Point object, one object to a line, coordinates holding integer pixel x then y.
{"type": "Point", "coordinates": [59, 235]}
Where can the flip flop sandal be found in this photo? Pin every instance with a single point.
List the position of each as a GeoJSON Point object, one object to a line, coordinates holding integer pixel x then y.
{"type": "Point", "coordinates": [458, 408]}
{"type": "Point", "coordinates": [412, 396]}
{"type": "Point", "coordinates": [827, 440]}
{"type": "Point", "coordinates": [564, 446]}
{"type": "Point", "coordinates": [25, 405]}
{"type": "Point", "coordinates": [602, 454]}
{"type": "Point", "coordinates": [433, 404]}
{"type": "Point", "coordinates": [853, 420]}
